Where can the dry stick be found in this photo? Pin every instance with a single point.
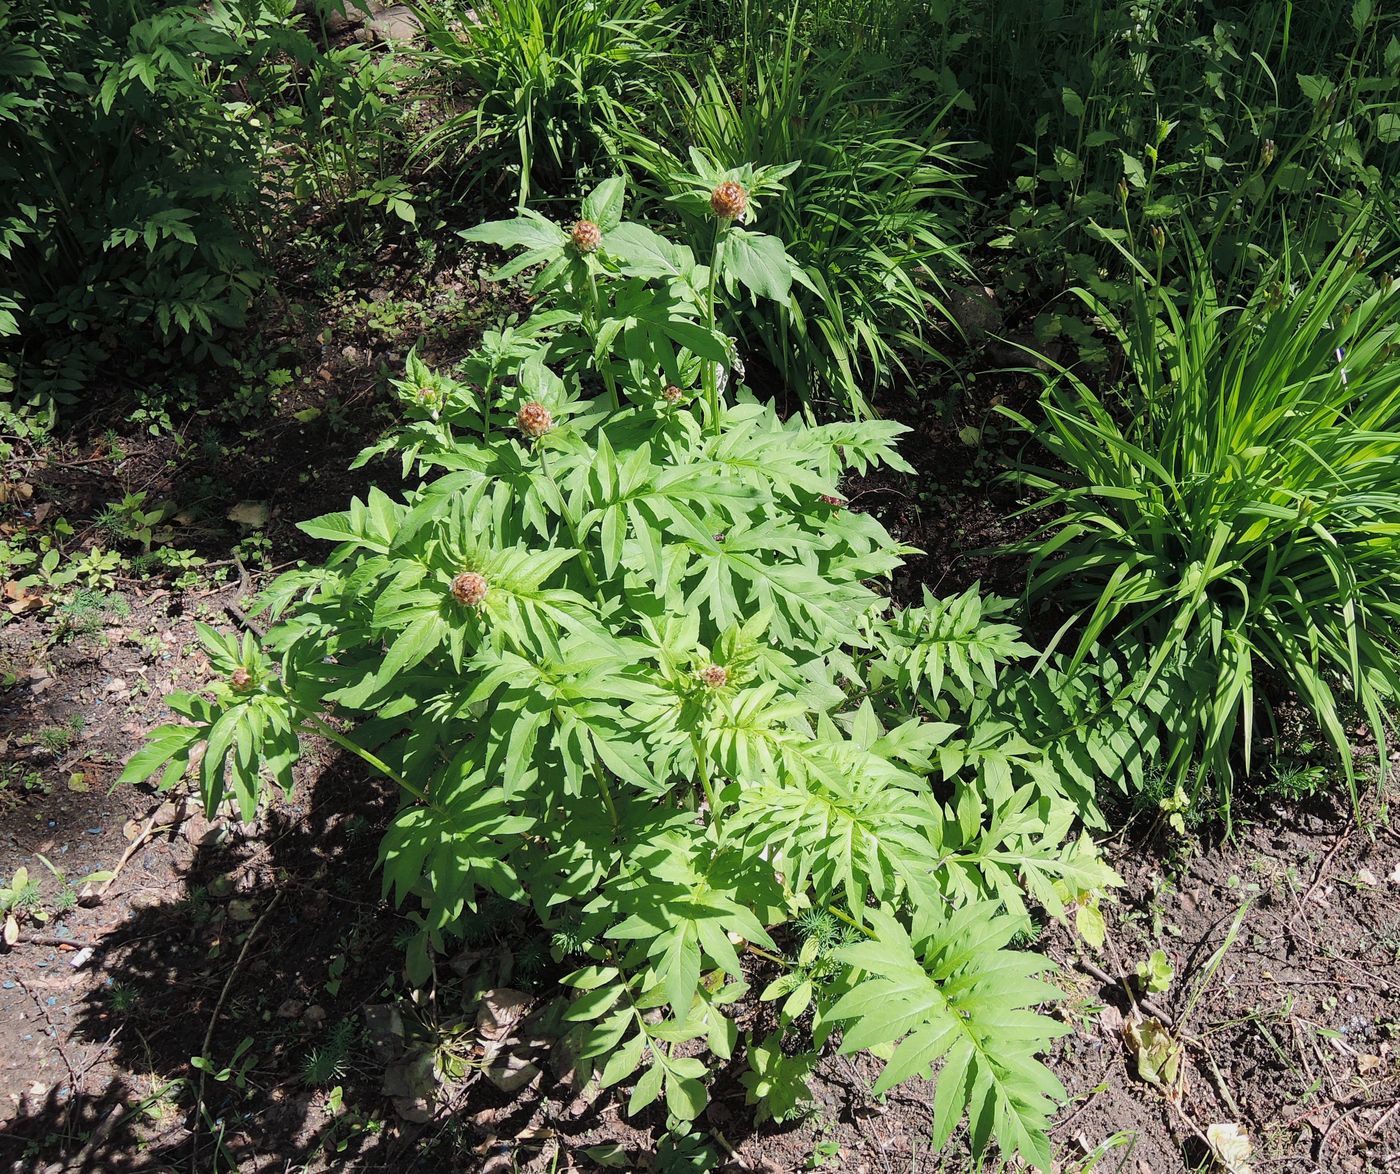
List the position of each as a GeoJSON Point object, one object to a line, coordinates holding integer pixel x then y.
{"type": "Point", "coordinates": [132, 847]}
{"type": "Point", "coordinates": [1122, 980]}
{"type": "Point", "coordinates": [214, 1019]}
{"type": "Point", "coordinates": [74, 1079]}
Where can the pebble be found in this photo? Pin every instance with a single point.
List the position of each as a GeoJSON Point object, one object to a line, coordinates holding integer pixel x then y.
{"type": "Point", "coordinates": [80, 957]}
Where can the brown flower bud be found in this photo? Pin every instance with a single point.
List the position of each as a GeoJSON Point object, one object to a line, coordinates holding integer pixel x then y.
{"type": "Point", "coordinates": [672, 394]}
{"type": "Point", "coordinates": [1267, 152]}
{"type": "Point", "coordinates": [534, 419]}
{"type": "Point", "coordinates": [241, 680]}
{"type": "Point", "coordinates": [730, 201]}
{"type": "Point", "coordinates": [586, 236]}
{"type": "Point", "coordinates": [714, 676]}
{"type": "Point", "coordinates": [469, 589]}
{"type": "Point", "coordinates": [833, 501]}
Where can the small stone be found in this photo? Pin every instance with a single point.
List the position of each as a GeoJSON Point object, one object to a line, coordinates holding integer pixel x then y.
{"type": "Point", "coordinates": [384, 1027]}
{"type": "Point", "coordinates": [81, 958]}
{"type": "Point", "coordinates": [240, 910]}
{"type": "Point", "coordinates": [291, 1009]}
{"type": "Point", "coordinates": [314, 1014]}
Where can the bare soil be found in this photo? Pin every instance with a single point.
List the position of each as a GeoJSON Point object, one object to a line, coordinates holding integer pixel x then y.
{"type": "Point", "coordinates": [215, 932]}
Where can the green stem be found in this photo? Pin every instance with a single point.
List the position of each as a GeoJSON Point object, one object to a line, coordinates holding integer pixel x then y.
{"type": "Point", "coordinates": [712, 397]}
{"type": "Point", "coordinates": [702, 764]}
{"type": "Point", "coordinates": [604, 364]}
{"type": "Point", "coordinates": [837, 913]}
{"type": "Point", "coordinates": [319, 726]}
{"type": "Point", "coordinates": [585, 559]}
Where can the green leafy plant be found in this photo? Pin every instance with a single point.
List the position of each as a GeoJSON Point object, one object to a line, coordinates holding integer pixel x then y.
{"type": "Point", "coordinates": [1233, 510]}
{"type": "Point", "coordinates": [617, 649]}
{"type": "Point", "coordinates": [544, 78]}
{"type": "Point", "coordinates": [1156, 973]}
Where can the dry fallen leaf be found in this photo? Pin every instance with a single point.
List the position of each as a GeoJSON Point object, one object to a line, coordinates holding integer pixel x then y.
{"type": "Point", "coordinates": [1158, 1054]}
{"type": "Point", "coordinates": [1230, 1144]}
{"type": "Point", "coordinates": [11, 930]}
{"type": "Point", "coordinates": [249, 513]}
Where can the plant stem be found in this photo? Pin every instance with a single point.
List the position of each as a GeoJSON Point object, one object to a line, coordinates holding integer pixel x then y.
{"type": "Point", "coordinates": [585, 560]}
{"type": "Point", "coordinates": [319, 726]}
{"type": "Point", "coordinates": [712, 397]}
{"type": "Point", "coordinates": [604, 366]}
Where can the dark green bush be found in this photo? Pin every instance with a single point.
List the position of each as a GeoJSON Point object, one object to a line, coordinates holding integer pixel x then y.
{"type": "Point", "coordinates": [126, 184]}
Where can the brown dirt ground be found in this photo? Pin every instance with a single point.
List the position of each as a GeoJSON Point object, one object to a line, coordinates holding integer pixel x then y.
{"type": "Point", "coordinates": [272, 931]}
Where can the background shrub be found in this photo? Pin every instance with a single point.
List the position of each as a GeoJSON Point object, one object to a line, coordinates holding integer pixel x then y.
{"type": "Point", "coordinates": [541, 78]}
{"type": "Point", "coordinates": [126, 187]}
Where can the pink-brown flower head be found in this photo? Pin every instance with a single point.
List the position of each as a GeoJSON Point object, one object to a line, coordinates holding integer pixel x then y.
{"type": "Point", "coordinates": [672, 394]}
{"type": "Point", "coordinates": [714, 676]}
{"type": "Point", "coordinates": [241, 680]}
{"type": "Point", "coordinates": [586, 236]}
{"type": "Point", "coordinates": [534, 419]}
{"type": "Point", "coordinates": [730, 201]}
{"type": "Point", "coordinates": [469, 589]}
{"type": "Point", "coordinates": [833, 501]}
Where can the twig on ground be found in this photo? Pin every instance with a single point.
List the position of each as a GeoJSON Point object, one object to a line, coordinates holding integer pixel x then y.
{"type": "Point", "coordinates": [1321, 872]}
{"type": "Point", "coordinates": [214, 1020]}
{"type": "Point", "coordinates": [1122, 980]}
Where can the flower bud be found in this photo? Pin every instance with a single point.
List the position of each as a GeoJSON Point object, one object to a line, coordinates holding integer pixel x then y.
{"type": "Point", "coordinates": [534, 419]}
{"type": "Point", "coordinates": [469, 589]}
{"type": "Point", "coordinates": [672, 394]}
{"type": "Point", "coordinates": [586, 236]}
{"type": "Point", "coordinates": [241, 680]}
{"type": "Point", "coordinates": [730, 201]}
{"type": "Point", "coordinates": [1267, 153]}
{"type": "Point", "coordinates": [714, 676]}
{"type": "Point", "coordinates": [1159, 237]}
{"type": "Point", "coordinates": [833, 501]}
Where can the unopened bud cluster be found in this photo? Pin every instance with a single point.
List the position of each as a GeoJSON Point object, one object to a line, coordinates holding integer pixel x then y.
{"type": "Point", "coordinates": [469, 589]}
{"type": "Point", "coordinates": [534, 419]}
{"type": "Point", "coordinates": [714, 676]}
{"type": "Point", "coordinates": [586, 236]}
{"type": "Point", "coordinates": [241, 680]}
{"type": "Point", "coordinates": [730, 201]}
{"type": "Point", "coordinates": [672, 394]}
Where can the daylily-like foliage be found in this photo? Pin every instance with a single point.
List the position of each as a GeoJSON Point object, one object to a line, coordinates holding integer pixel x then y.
{"type": "Point", "coordinates": [625, 657]}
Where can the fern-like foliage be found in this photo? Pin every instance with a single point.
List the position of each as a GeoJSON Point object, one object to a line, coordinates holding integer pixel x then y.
{"type": "Point", "coordinates": [948, 990]}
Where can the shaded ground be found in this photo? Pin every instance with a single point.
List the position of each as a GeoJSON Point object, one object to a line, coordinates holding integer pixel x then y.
{"type": "Point", "coordinates": [214, 933]}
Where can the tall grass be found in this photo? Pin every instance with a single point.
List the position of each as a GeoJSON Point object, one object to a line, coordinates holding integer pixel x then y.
{"type": "Point", "coordinates": [540, 79]}
{"type": "Point", "coordinates": [1237, 509]}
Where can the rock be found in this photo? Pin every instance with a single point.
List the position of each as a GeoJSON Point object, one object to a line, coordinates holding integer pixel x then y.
{"type": "Point", "coordinates": [291, 1009]}
{"type": "Point", "coordinates": [384, 1028]}
{"type": "Point", "coordinates": [398, 23]}
{"type": "Point", "coordinates": [168, 814]}
{"type": "Point", "coordinates": [145, 899]}
{"type": "Point", "coordinates": [345, 14]}
{"type": "Point", "coordinates": [314, 1014]}
{"type": "Point", "coordinates": [974, 308]}
{"type": "Point", "coordinates": [81, 958]}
